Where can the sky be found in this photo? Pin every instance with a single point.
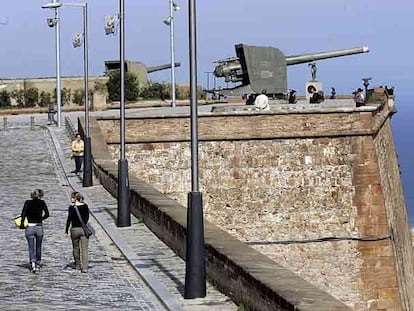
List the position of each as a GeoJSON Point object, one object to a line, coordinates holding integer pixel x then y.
{"type": "Point", "coordinates": [294, 26]}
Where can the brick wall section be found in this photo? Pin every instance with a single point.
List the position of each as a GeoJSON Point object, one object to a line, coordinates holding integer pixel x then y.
{"type": "Point", "coordinates": [236, 269]}
{"type": "Point", "coordinates": [263, 190]}
{"type": "Point", "coordinates": [378, 278]}
{"type": "Point", "coordinates": [310, 174]}
{"type": "Point", "coordinates": [397, 216]}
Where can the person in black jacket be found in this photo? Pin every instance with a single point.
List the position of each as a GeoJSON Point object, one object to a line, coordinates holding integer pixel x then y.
{"type": "Point", "coordinates": [35, 210]}
{"type": "Point", "coordinates": [79, 240]}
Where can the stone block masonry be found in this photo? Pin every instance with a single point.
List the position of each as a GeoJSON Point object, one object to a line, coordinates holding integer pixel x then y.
{"type": "Point", "coordinates": [293, 175]}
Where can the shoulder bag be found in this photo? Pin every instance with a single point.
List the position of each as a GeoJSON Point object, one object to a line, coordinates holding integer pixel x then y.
{"type": "Point", "coordinates": [88, 229]}
{"type": "Point", "coordinates": [18, 221]}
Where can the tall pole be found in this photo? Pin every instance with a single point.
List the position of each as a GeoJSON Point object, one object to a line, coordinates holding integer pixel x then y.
{"type": "Point", "coordinates": [124, 211]}
{"type": "Point", "coordinates": [87, 166]}
{"type": "Point", "coordinates": [208, 81]}
{"type": "Point", "coordinates": [172, 54]}
{"type": "Point", "coordinates": [58, 85]}
{"type": "Point", "coordinates": [195, 267]}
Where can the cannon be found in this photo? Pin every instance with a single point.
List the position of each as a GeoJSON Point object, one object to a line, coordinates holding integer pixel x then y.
{"type": "Point", "coordinates": [260, 69]}
{"type": "Point", "coordinates": [138, 68]}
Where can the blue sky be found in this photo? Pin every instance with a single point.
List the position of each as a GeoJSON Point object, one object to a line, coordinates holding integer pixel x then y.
{"type": "Point", "coordinates": [294, 26]}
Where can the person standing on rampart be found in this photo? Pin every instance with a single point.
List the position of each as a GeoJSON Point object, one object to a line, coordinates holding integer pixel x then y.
{"type": "Point", "coordinates": [77, 153]}
{"type": "Point", "coordinates": [359, 97]}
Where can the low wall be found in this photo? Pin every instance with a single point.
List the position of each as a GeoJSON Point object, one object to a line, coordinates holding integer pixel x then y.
{"type": "Point", "coordinates": [293, 173]}
{"type": "Point", "coordinates": [239, 271]}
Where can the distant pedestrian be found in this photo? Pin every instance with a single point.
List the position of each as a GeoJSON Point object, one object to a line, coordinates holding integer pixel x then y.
{"type": "Point", "coordinates": [51, 113]}
{"type": "Point", "coordinates": [79, 240]}
{"type": "Point", "coordinates": [35, 210]}
{"type": "Point", "coordinates": [292, 97]}
{"type": "Point", "coordinates": [77, 153]}
{"type": "Point", "coordinates": [262, 101]}
{"type": "Point", "coordinates": [359, 97]}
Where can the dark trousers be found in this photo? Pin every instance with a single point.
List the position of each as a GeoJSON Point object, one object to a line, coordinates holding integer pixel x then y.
{"type": "Point", "coordinates": [78, 163]}
{"type": "Point", "coordinates": [51, 117]}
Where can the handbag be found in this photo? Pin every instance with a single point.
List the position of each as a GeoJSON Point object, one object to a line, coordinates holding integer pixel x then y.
{"type": "Point", "coordinates": [18, 221]}
{"type": "Point", "coordinates": [88, 229]}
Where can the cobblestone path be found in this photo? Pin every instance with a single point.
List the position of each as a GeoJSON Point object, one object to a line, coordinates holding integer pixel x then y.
{"type": "Point", "coordinates": [27, 163]}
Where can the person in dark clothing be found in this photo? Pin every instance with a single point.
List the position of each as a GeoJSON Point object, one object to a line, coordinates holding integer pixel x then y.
{"type": "Point", "coordinates": [79, 240]}
{"type": "Point", "coordinates": [35, 210]}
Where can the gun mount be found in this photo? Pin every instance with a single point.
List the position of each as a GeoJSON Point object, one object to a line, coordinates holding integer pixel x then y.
{"type": "Point", "coordinates": [265, 68]}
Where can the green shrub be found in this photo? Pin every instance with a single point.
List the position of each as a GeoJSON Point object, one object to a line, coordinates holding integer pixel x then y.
{"type": "Point", "coordinates": [45, 98]}
{"type": "Point", "coordinates": [5, 100]}
{"type": "Point", "coordinates": [18, 96]}
{"type": "Point", "coordinates": [131, 86]}
{"type": "Point", "coordinates": [78, 96]}
{"type": "Point", "coordinates": [65, 96]}
{"type": "Point", "coordinates": [155, 90]}
{"type": "Point", "coordinates": [185, 94]}
{"type": "Point", "coordinates": [100, 87]}
{"type": "Point", "coordinates": [31, 97]}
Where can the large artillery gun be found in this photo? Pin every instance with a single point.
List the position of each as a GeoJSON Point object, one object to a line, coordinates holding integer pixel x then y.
{"type": "Point", "coordinates": [264, 69]}
{"type": "Point", "coordinates": [138, 68]}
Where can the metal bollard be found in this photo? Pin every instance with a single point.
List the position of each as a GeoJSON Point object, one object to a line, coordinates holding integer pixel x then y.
{"type": "Point", "coordinates": [32, 120]}
{"type": "Point", "coordinates": [5, 123]}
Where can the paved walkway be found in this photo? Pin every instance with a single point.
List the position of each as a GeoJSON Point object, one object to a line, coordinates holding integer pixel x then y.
{"type": "Point", "coordinates": [39, 158]}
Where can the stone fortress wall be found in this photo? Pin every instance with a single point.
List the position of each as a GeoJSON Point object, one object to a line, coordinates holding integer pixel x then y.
{"type": "Point", "coordinates": [293, 175]}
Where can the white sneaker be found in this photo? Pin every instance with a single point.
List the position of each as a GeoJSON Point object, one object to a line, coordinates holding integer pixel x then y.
{"type": "Point", "coordinates": [34, 269]}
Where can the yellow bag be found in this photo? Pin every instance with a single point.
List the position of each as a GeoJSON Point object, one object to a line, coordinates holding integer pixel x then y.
{"type": "Point", "coordinates": [18, 221]}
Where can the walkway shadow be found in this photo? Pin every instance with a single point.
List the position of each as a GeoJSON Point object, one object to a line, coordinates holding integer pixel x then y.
{"type": "Point", "coordinates": [166, 271]}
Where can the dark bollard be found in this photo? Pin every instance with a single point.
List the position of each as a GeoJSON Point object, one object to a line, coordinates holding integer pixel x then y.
{"type": "Point", "coordinates": [87, 163]}
{"type": "Point", "coordinates": [124, 209]}
{"type": "Point", "coordinates": [5, 123]}
{"type": "Point", "coordinates": [32, 120]}
{"type": "Point", "coordinates": [195, 267]}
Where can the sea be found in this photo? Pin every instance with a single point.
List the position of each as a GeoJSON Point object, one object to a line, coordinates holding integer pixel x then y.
{"type": "Point", "coordinates": [402, 124]}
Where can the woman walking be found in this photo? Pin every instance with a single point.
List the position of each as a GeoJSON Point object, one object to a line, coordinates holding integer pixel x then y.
{"type": "Point", "coordinates": [78, 213]}
{"type": "Point", "coordinates": [35, 210]}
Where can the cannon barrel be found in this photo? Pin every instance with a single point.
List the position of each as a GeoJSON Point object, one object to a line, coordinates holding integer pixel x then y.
{"type": "Point", "coordinates": [306, 58]}
{"type": "Point", "coordinates": [162, 67]}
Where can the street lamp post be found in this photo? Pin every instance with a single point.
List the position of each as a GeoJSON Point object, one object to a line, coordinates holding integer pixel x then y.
{"type": "Point", "coordinates": [169, 21]}
{"type": "Point", "coordinates": [87, 166]}
{"type": "Point", "coordinates": [124, 209]}
{"type": "Point", "coordinates": [195, 267]}
{"type": "Point", "coordinates": [56, 23]}
{"type": "Point", "coordinates": [87, 155]}
{"type": "Point", "coordinates": [208, 80]}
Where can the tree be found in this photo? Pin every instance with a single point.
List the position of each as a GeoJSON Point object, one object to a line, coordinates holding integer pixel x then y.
{"type": "Point", "coordinates": [114, 84]}
{"type": "Point", "coordinates": [78, 96]}
{"type": "Point", "coordinates": [45, 99]}
{"type": "Point", "coordinates": [5, 100]}
{"type": "Point", "coordinates": [31, 97]}
{"type": "Point", "coordinates": [155, 90]}
{"type": "Point", "coordinates": [18, 96]}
